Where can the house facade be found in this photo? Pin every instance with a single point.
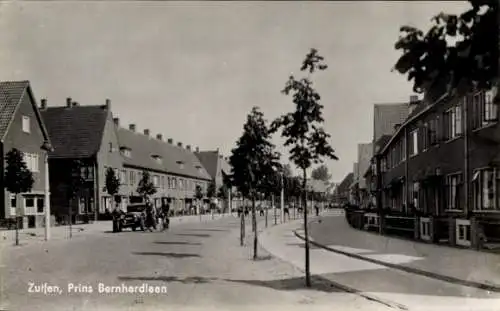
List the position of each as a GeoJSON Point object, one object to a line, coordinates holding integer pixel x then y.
{"type": "Point", "coordinates": [441, 168]}
{"type": "Point", "coordinates": [216, 165]}
{"type": "Point", "coordinates": [175, 170]}
{"type": "Point", "coordinates": [86, 134]}
{"type": "Point", "coordinates": [22, 127]}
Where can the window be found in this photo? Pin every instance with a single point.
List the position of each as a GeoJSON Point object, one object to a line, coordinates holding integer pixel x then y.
{"type": "Point", "coordinates": [156, 182]}
{"type": "Point", "coordinates": [111, 148]}
{"type": "Point", "coordinates": [486, 189]}
{"type": "Point", "coordinates": [490, 108]}
{"type": "Point", "coordinates": [425, 136]}
{"type": "Point", "coordinates": [31, 160]}
{"type": "Point", "coordinates": [413, 143]}
{"type": "Point", "coordinates": [126, 152]}
{"type": "Point", "coordinates": [123, 177]}
{"type": "Point", "coordinates": [87, 172]}
{"type": "Point", "coordinates": [181, 164]}
{"type": "Point", "coordinates": [463, 232]}
{"type": "Point", "coordinates": [453, 186]}
{"type": "Point", "coordinates": [432, 127]}
{"type": "Point", "coordinates": [13, 204]}
{"type": "Point", "coordinates": [157, 159]}
{"type": "Point", "coordinates": [132, 178]}
{"type": "Point", "coordinates": [29, 205]}
{"type": "Point", "coordinates": [26, 124]}
{"type": "Point", "coordinates": [415, 194]}
{"type": "Point", "coordinates": [163, 182]}
{"type": "Point", "coordinates": [40, 205]}
{"type": "Point", "coordinates": [484, 110]}
{"type": "Point", "coordinates": [174, 183]}
{"type": "Point", "coordinates": [453, 121]}
{"type": "Point", "coordinates": [403, 148]}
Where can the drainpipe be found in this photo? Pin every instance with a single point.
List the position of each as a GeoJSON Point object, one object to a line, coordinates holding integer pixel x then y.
{"type": "Point", "coordinates": [378, 188]}
{"type": "Point", "coordinates": [466, 156]}
{"type": "Point", "coordinates": [407, 159]}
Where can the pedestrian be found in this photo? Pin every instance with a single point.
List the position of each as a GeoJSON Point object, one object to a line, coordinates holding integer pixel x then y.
{"type": "Point", "coordinates": [165, 218]}
{"type": "Point", "coordinates": [316, 207]}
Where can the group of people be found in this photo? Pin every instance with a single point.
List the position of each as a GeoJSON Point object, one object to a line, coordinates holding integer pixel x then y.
{"type": "Point", "coordinates": [154, 215]}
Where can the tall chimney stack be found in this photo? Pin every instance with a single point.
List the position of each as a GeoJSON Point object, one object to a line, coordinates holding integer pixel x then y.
{"type": "Point", "coordinates": [131, 127]}
{"type": "Point", "coordinates": [170, 141]}
{"type": "Point", "coordinates": [75, 104]}
{"type": "Point", "coordinates": [108, 104]}
{"type": "Point", "coordinates": [146, 132]}
{"type": "Point", "coordinates": [188, 147]}
{"type": "Point", "coordinates": [117, 121]}
{"type": "Point", "coordinates": [69, 101]}
{"type": "Point", "coordinates": [198, 149]}
{"type": "Point", "coordinates": [159, 136]}
{"type": "Point", "coordinates": [179, 144]}
{"type": "Point", "coordinates": [43, 103]}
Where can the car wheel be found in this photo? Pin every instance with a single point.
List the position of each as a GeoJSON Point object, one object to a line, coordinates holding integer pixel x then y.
{"type": "Point", "coordinates": [133, 228]}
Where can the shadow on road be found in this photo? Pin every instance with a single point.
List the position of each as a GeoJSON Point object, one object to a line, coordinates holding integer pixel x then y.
{"type": "Point", "coordinates": [187, 280]}
{"type": "Point", "coordinates": [198, 235]}
{"type": "Point", "coordinates": [303, 245]}
{"type": "Point", "coordinates": [214, 230]}
{"type": "Point", "coordinates": [291, 284]}
{"type": "Point", "coordinates": [262, 258]}
{"type": "Point", "coordinates": [176, 243]}
{"type": "Point", "coordinates": [173, 255]}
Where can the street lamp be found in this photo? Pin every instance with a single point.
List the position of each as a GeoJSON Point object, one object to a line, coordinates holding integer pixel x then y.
{"type": "Point", "coordinates": [48, 148]}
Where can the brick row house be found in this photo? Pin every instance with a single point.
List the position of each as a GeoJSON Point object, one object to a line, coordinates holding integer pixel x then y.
{"type": "Point", "coordinates": [86, 134]}
{"type": "Point", "coordinates": [439, 170]}
{"type": "Point", "coordinates": [175, 170]}
{"type": "Point", "coordinates": [21, 127]}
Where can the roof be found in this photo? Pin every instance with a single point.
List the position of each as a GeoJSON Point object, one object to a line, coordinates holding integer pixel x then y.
{"type": "Point", "coordinates": [77, 131]}
{"type": "Point", "coordinates": [213, 162]}
{"type": "Point", "coordinates": [11, 95]}
{"type": "Point", "coordinates": [346, 182]}
{"type": "Point", "coordinates": [144, 147]}
{"type": "Point", "coordinates": [436, 94]}
{"type": "Point", "coordinates": [386, 116]}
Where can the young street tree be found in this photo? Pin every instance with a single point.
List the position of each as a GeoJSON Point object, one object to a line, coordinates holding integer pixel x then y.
{"type": "Point", "coordinates": [470, 63]}
{"type": "Point", "coordinates": [199, 195]}
{"type": "Point", "coordinates": [321, 173]}
{"type": "Point", "coordinates": [112, 184]}
{"type": "Point", "coordinates": [146, 188]}
{"type": "Point", "coordinates": [76, 184]}
{"type": "Point", "coordinates": [211, 192]}
{"type": "Point", "coordinates": [252, 160]}
{"type": "Point", "coordinates": [303, 131]}
{"type": "Point", "coordinates": [18, 179]}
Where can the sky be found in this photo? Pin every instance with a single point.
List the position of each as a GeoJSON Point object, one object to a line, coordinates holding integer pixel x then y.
{"type": "Point", "coordinates": [192, 71]}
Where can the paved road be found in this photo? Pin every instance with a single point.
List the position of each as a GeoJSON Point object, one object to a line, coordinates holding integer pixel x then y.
{"type": "Point", "coordinates": [202, 265]}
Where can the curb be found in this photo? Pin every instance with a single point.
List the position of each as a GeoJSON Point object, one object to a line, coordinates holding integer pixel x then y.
{"type": "Point", "coordinates": [441, 277]}
{"type": "Point", "coordinates": [344, 288]}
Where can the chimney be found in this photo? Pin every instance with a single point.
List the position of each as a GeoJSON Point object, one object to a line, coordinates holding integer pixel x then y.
{"type": "Point", "coordinates": [159, 136]}
{"type": "Point", "coordinates": [131, 127]}
{"type": "Point", "coordinates": [198, 149]}
{"type": "Point", "coordinates": [413, 102]}
{"type": "Point", "coordinates": [43, 103]}
{"type": "Point", "coordinates": [75, 104]}
{"type": "Point", "coordinates": [179, 144]}
{"type": "Point", "coordinates": [117, 121]}
{"type": "Point", "coordinates": [68, 102]}
{"type": "Point", "coordinates": [188, 147]}
{"type": "Point", "coordinates": [146, 132]}
{"type": "Point", "coordinates": [170, 141]}
{"type": "Point", "coordinates": [108, 104]}
{"type": "Point", "coordinates": [396, 126]}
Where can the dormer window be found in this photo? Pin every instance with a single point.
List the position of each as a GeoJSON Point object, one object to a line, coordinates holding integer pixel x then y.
{"type": "Point", "coordinates": [198, 167]}
{"type": "Point", "coordinates": [181, 164]}
{"type": "Point", "coordinates": [126, 152]}
{"type": "Point", "coordinates": [157, 158]}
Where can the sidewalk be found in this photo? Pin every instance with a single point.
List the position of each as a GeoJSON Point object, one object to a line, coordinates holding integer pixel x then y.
{"type": "Point", "coordinates": [390, 287]}
{"type": "Point", "coordinates": [460, 266]}
{"type": "Point", "coordinates": [62, 233]}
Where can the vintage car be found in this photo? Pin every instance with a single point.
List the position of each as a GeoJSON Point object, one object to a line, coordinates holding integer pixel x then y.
{"type": "Point", "coordinates": [134, 218]}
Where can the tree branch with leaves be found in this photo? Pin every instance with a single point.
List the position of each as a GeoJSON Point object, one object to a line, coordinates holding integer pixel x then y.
{"type": "Point", "coordinates": [303, 131]}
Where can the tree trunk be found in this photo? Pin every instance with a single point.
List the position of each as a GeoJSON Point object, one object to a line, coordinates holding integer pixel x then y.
{"type": "Point", "coordinates": [242, 225]}
{"type": "Point", "coordinates": [254, 224]}
{"type": "Point", "coordinates": [17, 229]}
{"type": "Point", "coordinates": [267, 208]}
{"type": "Point", "coordinates": [306, 233]}
{"type": "Point", "coordinates": [70, 218]}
